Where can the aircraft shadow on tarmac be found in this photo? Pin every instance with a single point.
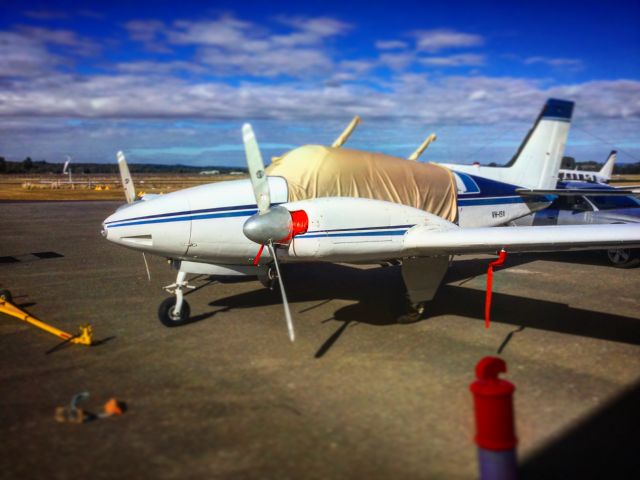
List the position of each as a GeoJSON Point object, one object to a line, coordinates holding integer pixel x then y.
{"type": "Point", "coordinates": [379, 296]}
{"type": "Point", "coordinates": [603, 446]}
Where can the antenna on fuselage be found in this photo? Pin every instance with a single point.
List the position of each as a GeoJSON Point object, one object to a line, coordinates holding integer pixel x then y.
{"type": "Point", "coordinates": [415, 155]}
{"type": "Point", "coordinates": [344, 136]}
{"type": "Point", "coordinates": [129, 193]}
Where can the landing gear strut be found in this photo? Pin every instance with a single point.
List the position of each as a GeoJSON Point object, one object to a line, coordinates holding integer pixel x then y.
{"type": "Point", "coordinates": [175, 311]}
{"type": "Point", "coordinates": [422, 277]}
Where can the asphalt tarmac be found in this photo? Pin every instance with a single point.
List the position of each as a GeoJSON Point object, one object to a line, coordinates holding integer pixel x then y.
{"type": "Point", "coordinates": [356, 396]}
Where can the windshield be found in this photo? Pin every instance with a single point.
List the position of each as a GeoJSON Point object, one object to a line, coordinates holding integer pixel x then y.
{"type": "Point", "coordinates": [614, 202]}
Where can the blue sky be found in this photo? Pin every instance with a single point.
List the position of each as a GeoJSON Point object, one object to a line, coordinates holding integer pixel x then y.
{"type": "Point", "coordinates": [172, 82]}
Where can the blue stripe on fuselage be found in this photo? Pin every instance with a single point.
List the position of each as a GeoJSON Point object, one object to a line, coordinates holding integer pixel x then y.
{"type": "Point", "coordinates": [358, 232]}
{"type": "Point", "coordinates": [190, 212]}
{"type": "Point", "coordinates": [354, 234]}
{"type": "Point", "coordinates": [467, 202]}
{"type": "Point", "coordinates": [127, 223]}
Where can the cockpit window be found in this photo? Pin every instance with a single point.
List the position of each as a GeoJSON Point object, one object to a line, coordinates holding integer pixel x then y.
{"type": "Point", "coordinates": [613, 202]}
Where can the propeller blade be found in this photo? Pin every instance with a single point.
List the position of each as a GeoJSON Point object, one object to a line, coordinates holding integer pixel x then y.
{"type": "Point", "coordinates": [415, 155]}
{"type": "Point", "coordinates": [146, 265]}
{"type": "Point", "coordinates": [256, 169]}
{"type": "Point", "coordinates": [127, 181]}
{"type": "Point", "coordinates": [344, 136]}
{"type": "Point", "coordinates": [285, 302]}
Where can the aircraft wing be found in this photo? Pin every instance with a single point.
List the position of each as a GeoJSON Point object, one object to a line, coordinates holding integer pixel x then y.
{"type": "Point", "coordinates": [571, 192]}
{"type": "Point", "coordinates": [427, 241]}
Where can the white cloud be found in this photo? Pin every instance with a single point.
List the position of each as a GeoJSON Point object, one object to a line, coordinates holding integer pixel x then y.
{"type": "Point", "coordinates": [160, 68]}
{"type": "Point", "coordinates": [460, 60]}
{"type": "Point", "coordinates": [227, 31]}
{"type": "Point", "coordinates": [149, 33]}
{"type": "Point", "coordinates": [65, 38]}
{"type": "Point", "coordinates": [144, 30]}
{"type": "Point", "coordinates": [297, 62]}
{"type": "Point", "coordinates": [22, 56]}
{"type": "Point", "coordinates": [319, 27]}
{"type": "Point", "coordinates": [138, 94]}
{"type": "Point", "coordinates": [477, 95]}
{"type": "Point", "coordinates": [391, 45]}
{"type": "Point", "coordinates": [320, 84]}
{"type": "Point", "coordinates": [308, 81]}
{"type": "Point", "coordinates": [231, 46]}
{"type": "Point", "coordinates": [433, 41]}
{"type": "Point", "coordinates": [359, 67]}
{"type": "Point", "coordinates": [572, 63]}
{"type": "Point", "coordinates": [397, 61]}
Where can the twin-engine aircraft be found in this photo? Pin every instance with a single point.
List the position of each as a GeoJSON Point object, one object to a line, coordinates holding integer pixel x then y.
{"type": "Point", "coordinates": [333, 204]}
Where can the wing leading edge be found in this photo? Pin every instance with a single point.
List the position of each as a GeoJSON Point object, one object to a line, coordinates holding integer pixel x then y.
{"type": "Point", "coordinates": [424, 241]}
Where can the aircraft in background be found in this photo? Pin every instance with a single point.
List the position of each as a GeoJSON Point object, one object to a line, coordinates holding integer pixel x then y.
{"type": "Point", "coordinates": [332, 204]}
{"type": "Point", "coordinates": [602, 176]}
{"type": "Point", "coordinates": [599, 204]}
{"type": "Point", "coordinates": [66, 170]}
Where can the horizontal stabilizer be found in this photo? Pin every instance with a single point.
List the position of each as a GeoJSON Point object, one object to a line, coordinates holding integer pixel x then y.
{"type": "Point", "coordinates": [572, 192]}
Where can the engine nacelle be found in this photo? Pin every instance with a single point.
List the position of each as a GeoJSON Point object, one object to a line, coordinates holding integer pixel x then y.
{"type": "Point", "coordinates": [356, 229]}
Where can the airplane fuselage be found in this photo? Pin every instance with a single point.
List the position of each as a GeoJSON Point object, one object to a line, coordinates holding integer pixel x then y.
{"type": "Point", "coordinates": [204, 223]}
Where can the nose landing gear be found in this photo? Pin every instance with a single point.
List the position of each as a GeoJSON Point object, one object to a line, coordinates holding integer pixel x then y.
{"type": "Point", "coordinates": [174, 311]}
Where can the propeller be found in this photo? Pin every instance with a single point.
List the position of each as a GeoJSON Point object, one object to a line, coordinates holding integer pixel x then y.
{"type": "Point", "coordinates": [271, 225]}
{"type": "Point", "coordinates": [255, 163]}
{"type": "Point", "coordinates": [129, 193]}
{"type": "Point", "coordinates": [125, 175]}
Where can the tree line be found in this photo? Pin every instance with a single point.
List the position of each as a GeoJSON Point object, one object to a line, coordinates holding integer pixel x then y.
{"type": "Point", "coordinates": [29, 166]}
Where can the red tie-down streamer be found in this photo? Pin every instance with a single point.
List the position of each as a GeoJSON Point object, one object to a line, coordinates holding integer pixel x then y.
{"type": "Point", "coordinates": [502, 256]}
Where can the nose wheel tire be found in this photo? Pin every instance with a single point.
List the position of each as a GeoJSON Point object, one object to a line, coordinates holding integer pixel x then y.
{"type": "Point", "coordinates": [623, 257]}
{"type": "Point", "coordinates": [167, 315]}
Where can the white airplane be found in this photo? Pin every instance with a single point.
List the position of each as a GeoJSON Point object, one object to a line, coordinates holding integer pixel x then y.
{"type": "Point", "coordinates": [602, 176]}
{"type": "Point", "coordinates": [222, 228]}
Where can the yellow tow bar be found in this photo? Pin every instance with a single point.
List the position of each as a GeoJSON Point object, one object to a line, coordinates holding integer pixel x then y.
{"type": "Point", "coordinates": [83, 337]}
